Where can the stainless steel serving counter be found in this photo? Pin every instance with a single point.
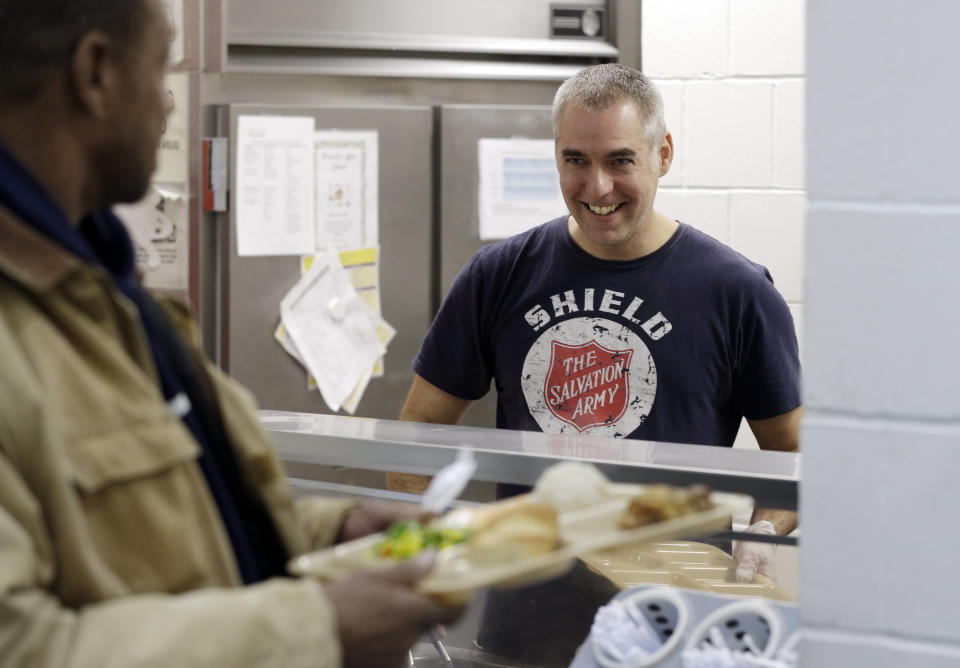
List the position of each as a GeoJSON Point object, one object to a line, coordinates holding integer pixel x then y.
{"type": "Point", "coordinates": [771, 478]}
{"type": "Point", "coordinates": [313, 445]}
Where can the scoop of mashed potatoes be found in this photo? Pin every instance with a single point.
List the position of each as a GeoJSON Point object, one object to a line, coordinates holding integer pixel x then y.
{"type": "Point", "coordinates": [572, 485]}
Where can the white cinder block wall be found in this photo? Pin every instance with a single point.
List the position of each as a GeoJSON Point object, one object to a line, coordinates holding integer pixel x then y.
{"type": "Point", "coordinates": [881, 439]}
{"type": "Point", "coordinates": [732, 77]}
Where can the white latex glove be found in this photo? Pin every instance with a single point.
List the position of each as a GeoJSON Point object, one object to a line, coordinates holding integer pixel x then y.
{"type": "Point", "coordinates": [753, 558]}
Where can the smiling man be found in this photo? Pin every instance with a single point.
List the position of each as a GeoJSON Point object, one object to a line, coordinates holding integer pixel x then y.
{"type": "Point", "coordinates": [610, 161]}
{"type": "Point", "coordinates": [616, 320]}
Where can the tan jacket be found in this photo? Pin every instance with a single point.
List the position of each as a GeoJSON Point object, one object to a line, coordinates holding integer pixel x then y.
{"type": "Point", "coordinates": [112, 550]}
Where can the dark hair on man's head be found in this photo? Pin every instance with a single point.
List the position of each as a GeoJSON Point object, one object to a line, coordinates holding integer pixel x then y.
{"type": "Point", "coordinates": [38, 37]}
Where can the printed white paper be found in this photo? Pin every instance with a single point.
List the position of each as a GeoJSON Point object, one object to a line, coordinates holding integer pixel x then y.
{"type": "Point", "coordinates": [274, 197]}
{"type": "Point", "coordinates": [363, 267]}
{"type": "Point", "coordinates": [158, 226]}
{"type": "Point", "coordinates": [173, 155]}
{"type": "Point", "coordinates": [384, 332]}
{"type": "Point", "coordinates": [334, 331]}
{"type": "Point", "coordinates": [347, 189]}
{"type": "Point", "coordinates": [519, 186]}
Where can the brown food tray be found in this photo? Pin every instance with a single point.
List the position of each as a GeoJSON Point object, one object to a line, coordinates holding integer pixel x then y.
{"type": "Point", "coordinates": [586, 530]}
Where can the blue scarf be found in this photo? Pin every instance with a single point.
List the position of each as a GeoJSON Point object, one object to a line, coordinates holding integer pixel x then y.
{"type": "Point", "coordinates": [101, 239]}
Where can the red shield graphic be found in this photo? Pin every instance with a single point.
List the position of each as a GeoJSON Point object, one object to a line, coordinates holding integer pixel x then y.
{"type": "Point", "coordinates": [587, 385]}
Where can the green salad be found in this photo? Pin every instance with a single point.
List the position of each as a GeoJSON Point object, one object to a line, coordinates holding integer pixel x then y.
{"type": "Point", "coordinates": [404, 540]}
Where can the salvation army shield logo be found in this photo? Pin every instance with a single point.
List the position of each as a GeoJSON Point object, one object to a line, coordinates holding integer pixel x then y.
{"type": "Point", "coordinates": [587, 385]}
{"type": "Point", "coordinates": [589, 376]}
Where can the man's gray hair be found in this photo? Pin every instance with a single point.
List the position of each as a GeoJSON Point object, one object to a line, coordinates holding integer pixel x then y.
{"type": "Point", "coordinates": [600, 87]}
{"type": "Point", "coordinates": [38, 37]}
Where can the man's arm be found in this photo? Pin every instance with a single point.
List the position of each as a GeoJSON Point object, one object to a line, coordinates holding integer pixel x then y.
{"type": "Point", "coordinates": [778, 433]}
{"type": "Point", "coordinates": [428, 403]}
{"type": "Point", "coordinates": [425, 403]}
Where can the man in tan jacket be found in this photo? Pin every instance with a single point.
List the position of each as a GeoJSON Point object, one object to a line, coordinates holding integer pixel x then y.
{"type": "Point", "coordinates": [144, 518]}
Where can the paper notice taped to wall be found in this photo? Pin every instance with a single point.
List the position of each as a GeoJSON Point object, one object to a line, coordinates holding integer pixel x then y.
{"type": "Point", "coordinates": [347, 189]}
{"type": "Point", "coordinates": [275, 187]}
{"type": "Point", "coordinates": [333, 330]}
{"type": "Point", "coordinates": [173, 156]}
{"type": "Point", "coordinates": [158, 225]}
{"type": "Point", "coordinates": [519, 187]}
{"type": "Point", "coordinates": [360, 265]}
{"type": "Point", "coordinates": [363, 267]}
{"type": "Point", "coordinates": [174, 11]}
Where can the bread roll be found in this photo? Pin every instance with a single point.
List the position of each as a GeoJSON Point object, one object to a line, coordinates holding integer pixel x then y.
{"type": "Point", "coordinates": [572, 485]}
{"type": "Point", "coordinates": [517, 528]}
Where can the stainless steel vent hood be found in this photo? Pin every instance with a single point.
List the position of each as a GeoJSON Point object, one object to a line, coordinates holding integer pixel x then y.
{"type": "Point", "coordinates": [493, 39]}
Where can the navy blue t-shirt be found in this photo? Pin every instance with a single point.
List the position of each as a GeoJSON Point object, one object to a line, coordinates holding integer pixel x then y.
{"type": "Point", "coordinates": [675, 346]}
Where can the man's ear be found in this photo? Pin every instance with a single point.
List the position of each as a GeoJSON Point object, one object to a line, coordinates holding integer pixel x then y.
{"type": "Point", "coordinates": [93, 73]}
{"type": "Point", "coordinates": [665, 153]}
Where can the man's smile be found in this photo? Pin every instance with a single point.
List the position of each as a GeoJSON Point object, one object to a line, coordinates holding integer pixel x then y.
{"type": "Point", "coordinates": [603, 210]}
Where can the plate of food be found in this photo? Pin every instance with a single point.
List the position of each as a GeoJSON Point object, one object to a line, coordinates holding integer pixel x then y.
{"type": "Point", "coordinates": [572, 510]}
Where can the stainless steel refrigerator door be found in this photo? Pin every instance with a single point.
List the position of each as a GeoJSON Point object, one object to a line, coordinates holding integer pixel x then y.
{"type": "Point", "coordinates": [252, 287]}
{"type": "Point", "coordinates": [461, 126]}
